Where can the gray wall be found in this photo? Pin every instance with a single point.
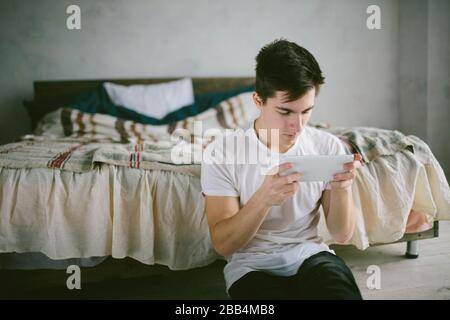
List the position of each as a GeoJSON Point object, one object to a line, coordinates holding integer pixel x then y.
{"type": "Point", "coordinates": [438, 93]}
{"type": "Point", "coordinates": [366, 70]}
{"type": "Point", "coordinates": [424, 74]}
{"type": "Point", "coordinates": [413, 67]}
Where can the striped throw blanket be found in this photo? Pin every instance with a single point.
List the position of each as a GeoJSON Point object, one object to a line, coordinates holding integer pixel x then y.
{"type": "Point", "coordinates": [372, 143]}
{"type": "Point", "coordinates": [76, 141]}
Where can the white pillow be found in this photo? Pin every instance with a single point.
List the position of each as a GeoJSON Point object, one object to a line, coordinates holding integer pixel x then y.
{"type": "Point", "coordinates": [153, 100]}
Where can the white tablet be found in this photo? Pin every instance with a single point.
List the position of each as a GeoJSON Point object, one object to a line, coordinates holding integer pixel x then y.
{"type": "Point", "coordinates": [316, 167]}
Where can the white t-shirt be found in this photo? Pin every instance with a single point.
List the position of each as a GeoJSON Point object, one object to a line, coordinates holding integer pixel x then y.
{"type": "Point", "coordinates": [288, 234]}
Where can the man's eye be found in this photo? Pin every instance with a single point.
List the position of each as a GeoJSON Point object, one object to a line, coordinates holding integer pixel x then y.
{"type": "Point", "coordinates": [284, 113]}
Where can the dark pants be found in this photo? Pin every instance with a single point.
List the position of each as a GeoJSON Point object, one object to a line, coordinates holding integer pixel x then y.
{"type": "Point", "coordinates": [321, 276]}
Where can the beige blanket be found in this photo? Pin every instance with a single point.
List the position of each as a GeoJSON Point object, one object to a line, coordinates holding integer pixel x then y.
{"type": "Point", "coordinates": [153, 216]}
{"type": "Point", "coordinates": [400, 175]}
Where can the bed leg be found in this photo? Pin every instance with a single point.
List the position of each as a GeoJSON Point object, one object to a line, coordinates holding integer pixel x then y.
{"type": "Point", "coordinates": [412, 249]}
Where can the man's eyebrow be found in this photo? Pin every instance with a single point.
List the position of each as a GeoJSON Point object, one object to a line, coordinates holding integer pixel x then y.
{"type": "Point", "coordinates": [290, 110]}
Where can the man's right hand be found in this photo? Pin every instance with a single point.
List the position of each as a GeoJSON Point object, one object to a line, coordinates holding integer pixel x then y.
{"type": "Point", "coordinates": [275, 188]}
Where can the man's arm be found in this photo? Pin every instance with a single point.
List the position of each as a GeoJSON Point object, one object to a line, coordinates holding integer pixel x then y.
{"type": "Point", "coordinates": [232, 227]}
{"type": "Point", "coordinates": [340, 215]}
{"type": "Point", "coordinates": [338, 204]}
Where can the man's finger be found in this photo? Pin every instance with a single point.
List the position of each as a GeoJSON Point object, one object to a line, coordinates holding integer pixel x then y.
{"type": "Point", "coordinates": [283, 167]}
{"type": "Point", "coordinates": [293, 177]}
{"type": "Point", "coordinates": [344, 176]}
{"type": "Point", "coordinates": [274, 170]}
{"type": "Point", "coordinates": [357, 157]}
{"type": "Point", "coordinates": [292, 187]}
{"type": "Point", "coordinates": [352, 165]}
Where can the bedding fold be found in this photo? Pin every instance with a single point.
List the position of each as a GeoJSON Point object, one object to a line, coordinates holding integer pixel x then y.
{"type": "Point", "coordinates": [109, 211]}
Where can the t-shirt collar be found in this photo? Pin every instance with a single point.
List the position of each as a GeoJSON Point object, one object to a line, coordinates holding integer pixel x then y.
{"type": "Point", "coordinates": [290, 151]}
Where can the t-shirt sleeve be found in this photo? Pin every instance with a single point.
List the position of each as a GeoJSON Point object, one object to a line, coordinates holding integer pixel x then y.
{"type": "Point", "coordinates": [216, 176]}
{"type": "Point", "coordinates": [337, 148]}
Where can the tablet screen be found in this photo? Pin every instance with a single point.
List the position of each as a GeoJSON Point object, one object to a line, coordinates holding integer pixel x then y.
{"type": "Point", "coordinates": [316, 167]}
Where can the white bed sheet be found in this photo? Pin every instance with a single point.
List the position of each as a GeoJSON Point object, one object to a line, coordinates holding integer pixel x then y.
{"type": "Point", "coordinates": [153, 216]}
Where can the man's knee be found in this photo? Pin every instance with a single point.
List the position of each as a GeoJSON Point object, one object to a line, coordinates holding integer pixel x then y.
{"type": "Point", "coordinates": [338, 279]}
{"type": "Point", "coordinates": [328, 277]}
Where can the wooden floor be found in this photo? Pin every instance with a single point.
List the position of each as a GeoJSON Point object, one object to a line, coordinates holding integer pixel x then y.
{"type": "Point", "coordinates": [427, 277]}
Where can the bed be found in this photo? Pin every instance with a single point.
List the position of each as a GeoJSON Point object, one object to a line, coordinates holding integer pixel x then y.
{"type": "Point", "coordinates": [71, 198]}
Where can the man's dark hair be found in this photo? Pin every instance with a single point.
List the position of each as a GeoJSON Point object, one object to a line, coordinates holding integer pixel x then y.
{"type": "Point", "coordinates": [285, 66]}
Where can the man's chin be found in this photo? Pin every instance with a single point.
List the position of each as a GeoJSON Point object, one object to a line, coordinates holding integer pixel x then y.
{"type": "Point", "coordinates": [285, 142]}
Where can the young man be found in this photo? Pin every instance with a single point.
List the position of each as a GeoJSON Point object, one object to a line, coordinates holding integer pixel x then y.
{"type": "Point", "coordinates": [266, 224]}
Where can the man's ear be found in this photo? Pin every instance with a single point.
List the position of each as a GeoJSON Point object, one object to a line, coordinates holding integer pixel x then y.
{"type": "Point", "coordinates": [257, 100]}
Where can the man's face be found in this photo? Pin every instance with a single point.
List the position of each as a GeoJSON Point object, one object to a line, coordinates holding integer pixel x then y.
{"type": "Point", "coordinates": [290, 118]}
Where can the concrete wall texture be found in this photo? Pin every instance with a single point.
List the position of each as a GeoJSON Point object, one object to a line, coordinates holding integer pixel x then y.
{"type": "Point", "coordinates": [394, 78]}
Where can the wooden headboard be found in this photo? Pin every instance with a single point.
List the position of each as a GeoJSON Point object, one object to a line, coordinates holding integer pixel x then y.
{"type": "Point", "coordinates": [47, 89]}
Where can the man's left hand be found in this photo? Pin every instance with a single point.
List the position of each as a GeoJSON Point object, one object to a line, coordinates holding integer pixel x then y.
{"type": "Point", "coordinates": [345, 179]}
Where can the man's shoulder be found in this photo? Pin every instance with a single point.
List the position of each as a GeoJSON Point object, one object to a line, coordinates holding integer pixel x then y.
{"type": "Point", "coordinates": [320, 134]}
{"type": "Point", "coordinates": [226, 142]}
{"type": "Point", "coordinates": [321, 138]}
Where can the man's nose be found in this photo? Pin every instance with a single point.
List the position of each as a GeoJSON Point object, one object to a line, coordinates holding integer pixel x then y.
{"type": "Point", "coordinates": [297, 123]}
